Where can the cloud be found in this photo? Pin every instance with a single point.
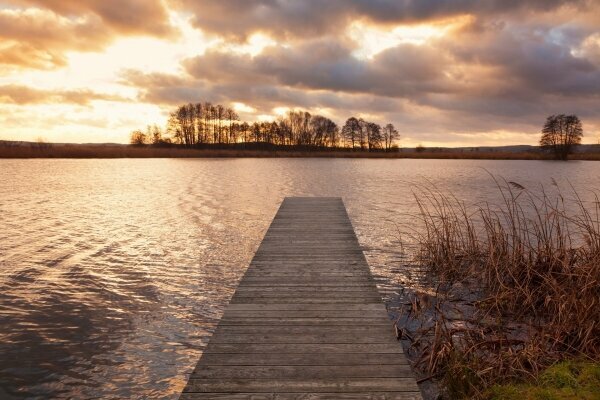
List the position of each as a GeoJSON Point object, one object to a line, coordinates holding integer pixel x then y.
{"type": "Point", "coordinates": [326, 64]}
{"type": "Point", "coordinates": [24, 95]}
{"type": "Point", "coordinates": [291, 19]}
{"type": "Point", "coordinates": [38, 34]}
{"type": "Point", "coordinates": [37, 38]}
{"type": "Point", "coordinates": [124, 16]}
{"type": "Point", "coordinates": [485, 76]}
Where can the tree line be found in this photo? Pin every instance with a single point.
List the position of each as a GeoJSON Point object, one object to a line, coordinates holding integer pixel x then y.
{"type": "Point", "coordinates": [199, 124]}
{"type": "Point", "coordinates": [194, 125]}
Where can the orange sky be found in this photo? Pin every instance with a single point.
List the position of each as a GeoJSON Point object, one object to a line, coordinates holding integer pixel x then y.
{"type": "Point", "coordinates": [445, 72]}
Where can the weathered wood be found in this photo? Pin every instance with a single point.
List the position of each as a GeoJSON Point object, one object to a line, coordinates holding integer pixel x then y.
{"type": "Point", "coordinates": [262, 348]}
{"type": "Point", "coordinates": [306, 321]}
{"type": "Point", "coordinates": [303, 371]}
{"type": "Point", "coordinates": [284, 337]}
{"type": "Point", "coordinates": [296, 314]}
{"type": "Point", "coordinates": [302, 307]}
{"type": "Point", "coordinates": [274, 385]}
{"type": "Point", "coordinates": [303, 396]}
{"type": "Point", "coordinates": [329, 359]}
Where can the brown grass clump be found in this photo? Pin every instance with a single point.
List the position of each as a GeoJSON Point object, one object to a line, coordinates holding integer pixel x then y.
{"type": "Point", "coordinates": [518, 286]}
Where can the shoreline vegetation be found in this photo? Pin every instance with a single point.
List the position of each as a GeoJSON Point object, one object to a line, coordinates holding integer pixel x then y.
{"type": "Point", "coordinates": [204, 130]}
{"type": "Point", "coordinates": [513, 296]}
{"type": "Point", "coordinates": [13, 149]}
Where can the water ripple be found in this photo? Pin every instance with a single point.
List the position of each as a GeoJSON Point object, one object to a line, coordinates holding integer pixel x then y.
{"type": "Point", "coordinates": [114, 273]}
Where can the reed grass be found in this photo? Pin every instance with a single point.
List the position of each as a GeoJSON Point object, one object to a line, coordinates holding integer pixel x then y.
{"type": "Point", "coordinates": [517, 285]}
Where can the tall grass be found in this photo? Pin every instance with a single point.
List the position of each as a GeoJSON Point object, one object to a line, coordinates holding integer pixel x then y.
{"type": "Point", "coordinates": [518, 285]}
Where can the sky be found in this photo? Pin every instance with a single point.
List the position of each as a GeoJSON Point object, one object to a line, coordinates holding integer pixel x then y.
{"type": "Point", "coordinates": [444, 72]}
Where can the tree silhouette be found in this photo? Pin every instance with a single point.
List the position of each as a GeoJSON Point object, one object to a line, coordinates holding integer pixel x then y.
{"type": "Point", "coordinates": [206, 124]}
{"type": "Point", "coordinates": [560, 134]}
{"type": "Point", "coordinates": [351, 131]}
{"type": "Point", "coordinates": [154, 134]}
{"type": "Point", "coordinates": [390, 135]}
{"type": "Point", "coordinates": [137, 138]}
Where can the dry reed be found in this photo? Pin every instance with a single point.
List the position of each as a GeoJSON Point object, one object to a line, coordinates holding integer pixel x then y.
{"type": "Point", "coordinates": [518, 286]}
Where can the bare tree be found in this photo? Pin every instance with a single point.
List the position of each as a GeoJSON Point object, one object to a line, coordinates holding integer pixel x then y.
{"type": "Point", "coordinates": [206, 114]}
{"type": "Point", "coordinates": [285, 131]}
{"type": "Point", "coordinates": [362, 133]}
{"type": "Point", "coordinates": [390, 134]}
{"type": "Point", "coordinates": [231, 116]}
{"type": "Point", "coordinates": [255, 132]}
{"type": "Point", "coordinates": [137, 138]}
{"type": "Point", "coordinates": [351, 131]}
{"type": "Point", "coordinates": [374, 137]}
{"type": "Point", "coordinates": [245, 131]}
{"type": "Point", "coordinates": [153, 134]}
{"type": "Point", "coordinates": [560, 134]}
{"type": "Point", "coordinates": [201, 136]}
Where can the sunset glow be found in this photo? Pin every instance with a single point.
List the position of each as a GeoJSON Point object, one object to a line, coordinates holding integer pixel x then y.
{"type": "Point", "coordinates": [446, 75]}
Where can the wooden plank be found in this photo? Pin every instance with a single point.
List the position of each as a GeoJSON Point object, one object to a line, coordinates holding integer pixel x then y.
{"type": "Point", "coordinates": [306, 321]}
{"type": "Point", "coordinates": [310, 289]}
{"type": "Point", "coordinates": [356, 330]}
{"type": "Point", "coordinates": [305, 300]}
{"type": "Point", "coordinates": [284, 337]}
{"type": "Point", "coordinates": [303, 371]}
{"type": "Point", "coordinates": [296, 314]}
{"type": "Point", "coordinates": [376, 307]}
{"type": "Point", "coordinates": [303, 396]}
{"type": "Point", "coordinates": [301, 359]}
{"type": "Point", "coordinates": [262, 348]}
{"type": "Point", "coordinates": [310, 385]}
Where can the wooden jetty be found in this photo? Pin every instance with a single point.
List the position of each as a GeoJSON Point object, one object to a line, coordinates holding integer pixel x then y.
{"type": "Point", "coordinates": [306, 321]}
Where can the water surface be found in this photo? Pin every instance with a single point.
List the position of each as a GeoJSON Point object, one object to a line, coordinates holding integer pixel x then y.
{"type": "Point", "coordinates": [113, 273]}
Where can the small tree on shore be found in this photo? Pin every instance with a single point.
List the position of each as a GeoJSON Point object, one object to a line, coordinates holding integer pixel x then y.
{"type": "Point", "coordinates": [390, 134]}
{"type": "Point", "coordinates": [138, 138]}
{"type": "Point", "coordinates": [560, 134]}
{"type": "Point", "coordinates": [153, 135]}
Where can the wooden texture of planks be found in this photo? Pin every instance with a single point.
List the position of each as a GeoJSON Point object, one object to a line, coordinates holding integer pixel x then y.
{"type": "Point", "coordinates": [306, 321]}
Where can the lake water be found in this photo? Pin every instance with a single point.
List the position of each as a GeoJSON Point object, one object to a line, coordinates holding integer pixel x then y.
{"type": "Point", "coordinates": [113, 273]}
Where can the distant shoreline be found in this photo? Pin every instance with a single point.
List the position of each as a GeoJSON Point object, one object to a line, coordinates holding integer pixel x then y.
{"type": "Point", "coordinates": [22, 150]}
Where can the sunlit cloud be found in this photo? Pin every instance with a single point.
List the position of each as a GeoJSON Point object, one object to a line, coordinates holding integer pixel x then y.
{"type": "Point", "coordinates": [265, 118]}
{"type": "Point", "coordinates": [253, 46]}
{"type": "Point", "coordinates": [281, 111]}
{"type": "Point", "coordinates": [373, 39]}
{"type": "Point", "coordinates": [241, 107]}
